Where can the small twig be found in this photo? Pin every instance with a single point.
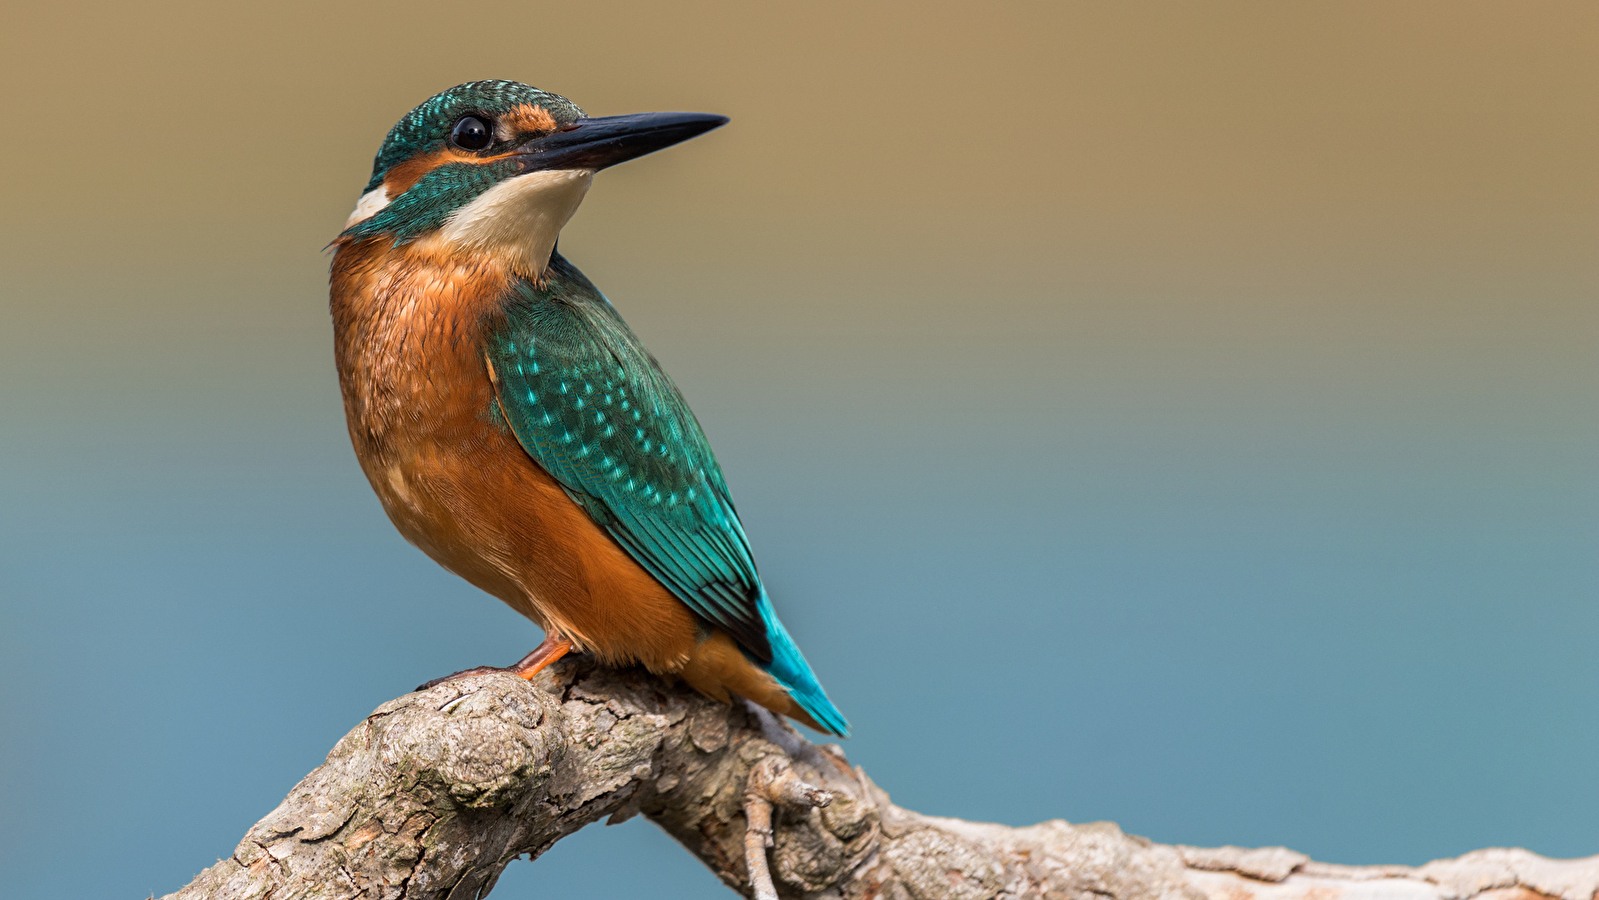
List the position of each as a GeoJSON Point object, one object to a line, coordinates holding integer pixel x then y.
{"type": "Point", "coordinates": [771, 781]}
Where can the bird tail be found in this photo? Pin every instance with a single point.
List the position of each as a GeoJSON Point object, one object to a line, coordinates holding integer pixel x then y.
{"type": "Point", "coordinates": [791, 670]}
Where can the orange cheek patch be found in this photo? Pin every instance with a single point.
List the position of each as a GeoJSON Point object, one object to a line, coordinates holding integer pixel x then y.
{"type": "Point", "coordinates": [528, 119]}
{"type": "Point", "coordinates": [522, 120]}
{"type": "Point", "coordinates": [402, 176]}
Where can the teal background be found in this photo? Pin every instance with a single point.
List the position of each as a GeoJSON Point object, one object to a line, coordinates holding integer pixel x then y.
{"type": "Point", "coordinates": [1178, 415]}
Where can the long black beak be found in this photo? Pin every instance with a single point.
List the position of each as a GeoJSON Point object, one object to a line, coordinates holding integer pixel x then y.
{"type": "Point", "coordinates": [608, 140]}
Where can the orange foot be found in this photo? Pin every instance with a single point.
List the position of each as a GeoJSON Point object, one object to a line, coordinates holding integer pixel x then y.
{"type": "Point", "coordinates": [553, 648]}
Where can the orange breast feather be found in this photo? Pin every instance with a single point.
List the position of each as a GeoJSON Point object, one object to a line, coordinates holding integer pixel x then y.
{"type": "Point", "coordinates": [408, 328]}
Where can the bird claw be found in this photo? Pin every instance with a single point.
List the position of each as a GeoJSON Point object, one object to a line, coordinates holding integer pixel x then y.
{"type": "Point", "coordinates": [475, 670]}
{"type": "Point", "coordinates": [552, 648]}
{"type": "Point", "coordinates": [771, 782]}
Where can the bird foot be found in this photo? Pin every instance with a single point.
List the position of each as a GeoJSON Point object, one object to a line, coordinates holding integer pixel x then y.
{"type": "Point", "coordinates": [551, 649]}
{"type": "Point", "coordinates": [771, 782]}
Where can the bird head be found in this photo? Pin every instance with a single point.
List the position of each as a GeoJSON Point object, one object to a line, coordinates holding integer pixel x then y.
{"type": "Point", "coordinates": [498, 167]}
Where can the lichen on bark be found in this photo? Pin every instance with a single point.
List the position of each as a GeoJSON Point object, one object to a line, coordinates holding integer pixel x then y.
{"type": "Point", "coordinates": [434, 793]}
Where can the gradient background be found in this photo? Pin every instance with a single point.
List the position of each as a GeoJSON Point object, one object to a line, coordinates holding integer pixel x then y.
{"type": "Point", "coordinates": [1181, 414]}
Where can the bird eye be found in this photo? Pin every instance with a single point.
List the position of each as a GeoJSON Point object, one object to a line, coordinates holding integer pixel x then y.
{"type": "Point", "coordinates": [471, 133]}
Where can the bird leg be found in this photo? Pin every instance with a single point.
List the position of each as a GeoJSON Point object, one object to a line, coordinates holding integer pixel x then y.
{"type": "Point", "coordinates": [771, 781]}
{"type": "Point", "coordinates": [552, 648]}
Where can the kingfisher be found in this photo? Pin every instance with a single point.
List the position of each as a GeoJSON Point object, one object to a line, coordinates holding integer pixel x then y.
{"type": "Point", "coordinates": [515, 428]}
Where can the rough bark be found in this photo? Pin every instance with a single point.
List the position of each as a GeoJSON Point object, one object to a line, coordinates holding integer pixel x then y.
{"type": "Point", "coordinates": [435, 792]}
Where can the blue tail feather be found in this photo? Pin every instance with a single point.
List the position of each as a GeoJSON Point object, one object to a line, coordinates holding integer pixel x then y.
{"type": "Point", "coordinates": [791, 670]}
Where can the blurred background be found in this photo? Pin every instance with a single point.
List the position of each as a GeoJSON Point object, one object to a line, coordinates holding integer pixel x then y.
{"type": "Point", "coordinates": [1179, 414]}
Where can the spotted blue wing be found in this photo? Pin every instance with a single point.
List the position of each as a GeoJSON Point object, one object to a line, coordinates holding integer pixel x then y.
{"type": "Point", "coordinates": [591, 406]}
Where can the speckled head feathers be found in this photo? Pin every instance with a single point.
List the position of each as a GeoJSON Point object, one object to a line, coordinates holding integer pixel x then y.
{"type": "Point", "coordinates": [497, 168]}
{"type": "Point", "coordinates": [426, 129]}
{"type": "Point", "coordinates": [425, 173]}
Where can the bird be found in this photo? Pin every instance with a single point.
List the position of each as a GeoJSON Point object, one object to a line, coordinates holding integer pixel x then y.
{"type": "Point", "coordinates": [514, 427]}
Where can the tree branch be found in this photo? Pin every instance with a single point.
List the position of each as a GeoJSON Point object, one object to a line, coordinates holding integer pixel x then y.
{"type": "Point", "coordinates": [435, 792]}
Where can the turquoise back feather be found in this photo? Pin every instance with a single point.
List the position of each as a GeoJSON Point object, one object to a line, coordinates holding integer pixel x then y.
{"type": "Point", "coordinates": [590, 405]}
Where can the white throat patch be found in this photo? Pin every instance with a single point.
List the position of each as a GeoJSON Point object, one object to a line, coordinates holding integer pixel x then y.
{"type": "Point", "coordinates": [369, 205]}
{"type": "Point", "coordinates": [520, 218]}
